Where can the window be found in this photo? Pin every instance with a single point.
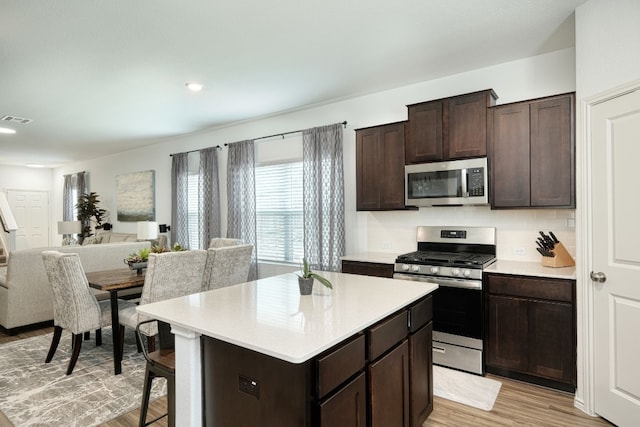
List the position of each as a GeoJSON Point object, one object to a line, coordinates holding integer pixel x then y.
{"type": "Point", "coordinates": [279, 213]}
{"type": "Point", "coordinates": [193, 209]}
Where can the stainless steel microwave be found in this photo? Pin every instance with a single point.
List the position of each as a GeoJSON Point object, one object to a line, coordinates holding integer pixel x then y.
{"type": "Point", "coordinates": [456, 182]}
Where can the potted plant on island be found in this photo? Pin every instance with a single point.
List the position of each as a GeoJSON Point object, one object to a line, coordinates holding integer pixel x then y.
{"type": "Point", "coordinates": [305, 280]}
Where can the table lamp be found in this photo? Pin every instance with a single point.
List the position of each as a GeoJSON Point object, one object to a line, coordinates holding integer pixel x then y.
{"type": "Point", "coordinates": [68, 229]}
{"type": "Point", "coordinates": [147, 230]}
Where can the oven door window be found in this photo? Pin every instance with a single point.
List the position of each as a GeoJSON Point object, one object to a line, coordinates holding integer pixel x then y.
{"type": "Point", "coordinates": [437, 184]}
{"type": "Point", "coordinates": [458, 311]}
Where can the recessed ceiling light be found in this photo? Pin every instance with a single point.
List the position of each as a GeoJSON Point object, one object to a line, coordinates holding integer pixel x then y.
{"type": "Point", "coordinates": [7, 130]}
{"type": "Point", "coordinates": [34, 165]}
{"type": "Point", "coordinates": [194, 86]}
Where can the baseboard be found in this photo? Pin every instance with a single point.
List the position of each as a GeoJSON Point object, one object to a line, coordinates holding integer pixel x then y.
{"type": "Point", "coordinates": [20, 329]}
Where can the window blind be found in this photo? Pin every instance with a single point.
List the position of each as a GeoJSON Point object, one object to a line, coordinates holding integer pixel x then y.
{"type": "Point", "coordinates": [279, 212]}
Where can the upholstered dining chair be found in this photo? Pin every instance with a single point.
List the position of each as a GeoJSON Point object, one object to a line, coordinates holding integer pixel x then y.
{"type": "Point", "coordinates": [161, 363]}
{"type": "Point", "coordinates": [168, 275]}
{"type": "Point", "coordinates": [75, 307]}
{"type": "Point", "coordinates": [226, 266]}
{"type": "Point", "coordinates": [220, 242]}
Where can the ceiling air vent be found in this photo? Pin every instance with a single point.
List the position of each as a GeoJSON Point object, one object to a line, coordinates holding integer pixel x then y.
{"type": "Point", "coordinates": [15, 119]}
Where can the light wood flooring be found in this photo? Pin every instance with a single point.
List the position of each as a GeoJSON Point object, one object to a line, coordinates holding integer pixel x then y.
{"type": "Point", "coordinates": [518, 404]}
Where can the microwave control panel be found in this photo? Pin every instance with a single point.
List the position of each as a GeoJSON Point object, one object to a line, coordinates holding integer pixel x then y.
{"type": "Point", "coordinates": [475, 185]}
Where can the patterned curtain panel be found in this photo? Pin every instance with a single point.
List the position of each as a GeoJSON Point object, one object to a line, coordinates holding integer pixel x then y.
{"type": "Point", "coordinates": [81, 184]}
{"type": "Point", "coordinates": [241, 198]}
{"type": "Point", "coordinates": [323, 181]}
{"type": "Point", "coordinates": [71, 182]}
{"type": "Point", "coordinates": [179, 199]}
{"type": "Point", "coordinates": [209, 196]}
{"type": "Point", "coordinates": [68, 204]}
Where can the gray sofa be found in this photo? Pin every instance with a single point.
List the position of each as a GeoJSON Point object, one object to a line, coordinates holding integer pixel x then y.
{"type": "Point", "coordinates": [25, 293]}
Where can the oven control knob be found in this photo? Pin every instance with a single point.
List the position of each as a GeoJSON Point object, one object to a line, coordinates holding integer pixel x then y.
{"type": "Point", "coordinates": [434, 270]}
{"type": "Point", "coordinates": [455, 272]}
{"type": "Point", "coordinates": [405, 267]}
{"type": "Point", "coordinates": [415, 268]}
{"type": "Point", "coordinates": [466, 273]}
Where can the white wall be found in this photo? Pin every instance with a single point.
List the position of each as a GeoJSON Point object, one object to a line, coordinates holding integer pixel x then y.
{"type": "Point", "coordinates": [24, 178]}
{"type": "Point", "coordinates": [543, 75]}
{"type": "Point", "coordinates": [607, 53]}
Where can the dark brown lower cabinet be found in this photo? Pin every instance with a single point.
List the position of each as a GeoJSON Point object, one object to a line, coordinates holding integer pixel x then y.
{"type": "Point", "coordinates": [421, 375]}
{"type": "Point", "coordinates": [368, 268]}
{"type": "Point", "coordinates": [347, 407]}
{"type": "Point", "coordinates": [379, 377]}
{"type": "Point", "coordinates": [531, 329]}
{"type": "Point", "coordinates": [389, 387]}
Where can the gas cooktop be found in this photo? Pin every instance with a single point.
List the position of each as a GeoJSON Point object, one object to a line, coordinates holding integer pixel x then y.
{"type": "Point", "coordinates": [446, 258]}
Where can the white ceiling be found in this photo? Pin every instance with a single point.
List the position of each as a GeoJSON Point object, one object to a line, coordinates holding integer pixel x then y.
{"type": "Point", "coordinates": [99, 77]}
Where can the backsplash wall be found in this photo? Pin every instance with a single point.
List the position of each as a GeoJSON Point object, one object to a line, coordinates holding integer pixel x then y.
{"type": "Point", "coordinates": [516, 230]}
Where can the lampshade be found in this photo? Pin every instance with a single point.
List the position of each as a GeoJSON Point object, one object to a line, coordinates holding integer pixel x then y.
{"type": "Point", "coordinates": [147, 230]}
{"type": "Point", "coordinates": [69, 227]}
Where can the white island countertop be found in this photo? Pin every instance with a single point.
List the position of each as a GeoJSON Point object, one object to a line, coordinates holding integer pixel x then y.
{"type": "Point", "coordinates": [271, 317]}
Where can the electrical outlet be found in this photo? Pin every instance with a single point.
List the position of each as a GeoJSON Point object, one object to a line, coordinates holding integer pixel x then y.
{"type": "Point", "coordinates": [249, 386]}
{"type": "Point", "coordinates": [386, 245]}
{"type": "Point", "coordinates": [518, 250]}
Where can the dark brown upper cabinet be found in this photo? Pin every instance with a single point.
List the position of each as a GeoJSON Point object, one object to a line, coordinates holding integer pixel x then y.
{"type": "Point", "coordinates": [380, 167]}
{"type": "Point", "coordinates": [449, 128]}
{"type": "Point", "coordinates": [531, 151]}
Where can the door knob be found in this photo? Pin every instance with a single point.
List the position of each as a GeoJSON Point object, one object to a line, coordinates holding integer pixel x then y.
{"type": "Point", "coordinates": [599, 277]}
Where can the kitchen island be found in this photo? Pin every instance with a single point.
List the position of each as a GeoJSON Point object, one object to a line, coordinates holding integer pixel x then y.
{"type": "Point", "coordinates": [222, 335]}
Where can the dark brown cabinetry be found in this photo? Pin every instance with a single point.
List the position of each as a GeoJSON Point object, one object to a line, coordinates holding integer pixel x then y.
{"type": "Point", "coordinates": [450, 128]}
{"type": "Point", "coordinates": [389, 384]}
{"type": "Point", "coordinates": [420, 375]}
{"type": "Point", "coordinates": [346, 408]}
{"type": "Point", "coordinates": [531, 152]}
{"type": "Point", "coordinates": [368, 268]}
{"type": "Point", "coordinates": [531, 329]}
{"type": "Point", "coordinates": [381, 376]}
{"type": "Point", "coordinates": [380, 167]}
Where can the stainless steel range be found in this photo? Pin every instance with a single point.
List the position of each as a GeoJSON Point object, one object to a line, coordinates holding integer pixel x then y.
{"type": "Point", "coordinates": [454, 258]}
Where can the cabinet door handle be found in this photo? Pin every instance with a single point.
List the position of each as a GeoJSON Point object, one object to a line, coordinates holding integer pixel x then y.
{"type": "Point", "coordinates": [439, 349]}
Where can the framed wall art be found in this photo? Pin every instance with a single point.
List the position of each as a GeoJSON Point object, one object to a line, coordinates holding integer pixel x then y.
{"type": "Point", "coordinates": [135, 196]}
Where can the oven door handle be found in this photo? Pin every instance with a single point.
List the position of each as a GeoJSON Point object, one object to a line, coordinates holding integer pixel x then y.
{"type": "Point", "coordinates": [441, 281]}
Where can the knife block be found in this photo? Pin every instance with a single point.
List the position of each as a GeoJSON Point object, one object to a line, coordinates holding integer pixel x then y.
{"type": "Point", "coordinates": [562, 258]}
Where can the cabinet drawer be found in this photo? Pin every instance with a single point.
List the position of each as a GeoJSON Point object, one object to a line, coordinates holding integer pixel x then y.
{"type": "Point", "coordinates": [420, 314]}
{"type": "Point", "coordinates": [368, 268]}
{"type": "Point", "coordinates": [531, 287]}
{"type": "Point", "coordinates": [339, 365]}
{"type": "Point", "coordinates": [386, 334]}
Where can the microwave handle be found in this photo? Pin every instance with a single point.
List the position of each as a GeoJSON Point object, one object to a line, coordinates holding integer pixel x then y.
{"type": "Point", "coordinates": [465, 180]}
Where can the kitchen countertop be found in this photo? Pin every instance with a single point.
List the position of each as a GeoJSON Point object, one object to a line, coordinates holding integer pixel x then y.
{"type": "Point", "coordinates": [271, 317]}
{"type": "Point", "coordinates": [524, 268]}
{"type": "Point", "coordinates": [531, 269]}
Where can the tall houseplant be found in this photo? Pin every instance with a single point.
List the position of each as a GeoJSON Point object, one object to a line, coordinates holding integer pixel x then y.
{"type": "Point", "coordinates": [88, 213]}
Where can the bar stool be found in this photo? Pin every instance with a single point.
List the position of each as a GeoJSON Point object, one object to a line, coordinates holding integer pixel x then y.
{"type": "Point", "coordinates": [161, 363]}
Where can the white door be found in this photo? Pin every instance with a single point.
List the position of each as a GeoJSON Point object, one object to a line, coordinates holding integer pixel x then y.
{"type": "Point", "coordinates": [31, 210]}
{"type": "Point", "coordinates": [615, 207]}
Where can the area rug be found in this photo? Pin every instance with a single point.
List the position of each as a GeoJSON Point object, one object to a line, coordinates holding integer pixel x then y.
{"type": "Point", "coordinates": [33, 393]}
{"type": "Point", "coordinates": [468, 389]}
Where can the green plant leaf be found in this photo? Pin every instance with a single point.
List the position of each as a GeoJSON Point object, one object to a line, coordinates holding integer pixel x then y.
{"type": "Point", "coordinates": [322, 280]}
